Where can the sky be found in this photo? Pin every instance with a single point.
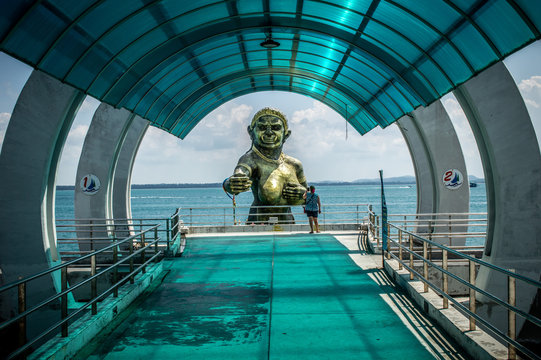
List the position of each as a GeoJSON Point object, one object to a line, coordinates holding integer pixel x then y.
{"type": "Point", "coordinates": [328, 148]}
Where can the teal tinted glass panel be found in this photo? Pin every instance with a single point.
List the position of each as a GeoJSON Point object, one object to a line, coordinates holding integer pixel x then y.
{"type": "Point", "coordinates": [331, 23]}
{"type": "Point", "coordinates": [148, 45]}
{"type": "Point", "coordinates": [383, 48]}
{"type": "Point", "coordinates": [258, 55]}
{"type": "Point", "coordinates": [286, 6]}
{"type": "Point", "coordinates": [217, 53]}
{"type": "Point", "coordinates": [434, 76]}
{"type": "Point", "coordinates": [70, 8]}
{"type": "Point", "coordinates": [341, 16]}
{"type": "Point", "coordinates": [402, 102]}
{"type": "Point", "coordinates": [249, 6]}
{"type": "Point", "coordinates": [392, 109]}
{"type": "Point", "coordinates": [404, 23]}
{"type": "Point", "coordinates": [503, 25]}
{"type": "Point", "coordinates": [355, 87]}
{"type": "Point", "coordinates": [465, 5]}
{"type": "Point", "coordinates": [109, 13]}
{"type": "Point", "coordinates": [360, 68]}
{"type": "Point", "coordinates": [410, 97]}
{"type": "Point", "coordinates": [63, 55]}
{"type": "Point", "coordinates": [107, 77]}
{"type": "Point", "coordinates": [32, 41]}
{"type": "Point", "coordinates": [129, 30]}
{"type": "Point", "coordinates": [533, 11]}
{"type": "Point", "coordinates": [451, 62]}
{"type": "Point", "coordinates": [391, 42]}
{"type": "Point", "coordinates": [437, 13]}
{"type": "Point", "coordinates": [201, 16]}
{"type": "Point", "coordinates": [474, 47]}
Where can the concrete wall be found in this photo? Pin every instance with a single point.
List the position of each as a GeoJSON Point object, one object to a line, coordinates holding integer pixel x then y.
{"type": "Point", "coordinates": [32, 147]}
{"type": "Point", "coordinates": [512, 167]}
{"type": "Point", "coordinates": [435, 149]}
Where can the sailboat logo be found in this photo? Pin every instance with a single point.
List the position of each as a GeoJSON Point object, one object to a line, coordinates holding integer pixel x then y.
{"type": "Point", "coordinates": [452, 179]}
{"type": "Point", "coordinates": [90, 184]}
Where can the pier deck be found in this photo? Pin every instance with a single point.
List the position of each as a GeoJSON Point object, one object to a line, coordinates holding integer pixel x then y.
{"type": "Point", "coordinates": [276, 296]}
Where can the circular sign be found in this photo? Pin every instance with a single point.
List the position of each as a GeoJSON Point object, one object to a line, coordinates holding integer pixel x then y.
{"type": "Point", "coordinates": [90, 184]}
{"type": "Point", "coordinates": [452, 179]}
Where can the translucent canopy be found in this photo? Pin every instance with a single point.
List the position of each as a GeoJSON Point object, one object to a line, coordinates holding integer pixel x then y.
{"type": "Point", "coordinates": [172, 62]}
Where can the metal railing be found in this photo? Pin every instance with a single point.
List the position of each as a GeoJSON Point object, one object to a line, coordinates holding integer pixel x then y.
{"type": "Point", "coordinates": [126, 264]}
{"type": "Point", "coordinates": [406, 247]}
{"type": "Point", "coordinates": [79, 237]}
{"type": "Point", "coordinates": [194, 216]}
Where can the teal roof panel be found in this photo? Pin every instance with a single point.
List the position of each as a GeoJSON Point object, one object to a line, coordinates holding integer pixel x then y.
{"type": "Point", "coordinates": [172, 62]}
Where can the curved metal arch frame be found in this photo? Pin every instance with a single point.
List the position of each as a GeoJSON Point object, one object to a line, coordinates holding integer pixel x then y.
{"type": "Point", "coordinates": [304, 62]}
{"type": "Point", "coordinates": [211, 106]}
{"type": "Point", "coordinates": [202, 91]}
{"type": "Point", "coordinates": [406, 98]}
{"type": "Point", "coordinates": [287, 25]}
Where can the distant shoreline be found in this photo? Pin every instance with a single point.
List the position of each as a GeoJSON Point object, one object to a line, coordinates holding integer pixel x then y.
{"type": "Point", "coordinates": [403, 180]}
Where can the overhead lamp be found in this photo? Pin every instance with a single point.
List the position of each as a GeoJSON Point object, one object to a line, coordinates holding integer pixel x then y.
{"type": "Point", "coordinates": [269, 43]}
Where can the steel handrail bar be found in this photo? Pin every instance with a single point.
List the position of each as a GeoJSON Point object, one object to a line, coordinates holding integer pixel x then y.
{"type": "Point", "coordinates": [472, 314]}
{"type": "Point", "coordinates": [474, 287]}
{"type": "Point", "coordinates": [26, 346]}
{"type": "Point", "coordinates": [74, 287]}
{"type": "Point", "coordinates": [58, 267]}
{"type": "Point", "coordinates": [481, 262]}
{"type": "Point", "coordinates": [437, 214]}
{"type": "Point", "coordinates": [263, 207]}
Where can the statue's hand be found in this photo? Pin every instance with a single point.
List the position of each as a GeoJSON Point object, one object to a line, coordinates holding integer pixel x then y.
{"type": "Point", "coordinates": [293, 191]}
{"type": "Point", "coordinates": [239, 183]}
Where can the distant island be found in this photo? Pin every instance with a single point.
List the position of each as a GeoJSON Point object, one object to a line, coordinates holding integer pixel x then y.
{"type": "Point", "coordinates": [400, 180]}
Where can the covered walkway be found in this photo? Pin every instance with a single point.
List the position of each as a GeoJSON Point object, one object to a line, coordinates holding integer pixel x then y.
{"type": "Point", "coordinates": [271, 297]}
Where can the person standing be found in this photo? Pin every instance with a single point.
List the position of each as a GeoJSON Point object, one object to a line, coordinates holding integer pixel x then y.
{"type": "Point", "coordinates": [313, 208]}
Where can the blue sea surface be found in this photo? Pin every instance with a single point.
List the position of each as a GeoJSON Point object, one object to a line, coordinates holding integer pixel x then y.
{"type": "Point", "coordinates": [162, 203]}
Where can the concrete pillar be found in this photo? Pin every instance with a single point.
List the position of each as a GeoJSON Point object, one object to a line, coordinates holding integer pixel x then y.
{"type": "Point", "coordinates": [123, 171]}
{"type": "Point", "coordinates": [435, 150]}
{"type": "Point", "coordinates": [97, 164]}
{"type": "Point", "coordinates": [32, 147]}
{"type": "Point", "coordinates": [512, 167]}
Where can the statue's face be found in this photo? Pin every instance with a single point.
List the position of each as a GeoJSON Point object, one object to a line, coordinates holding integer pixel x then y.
{"type": "Point", "coordinates": [268, 132]}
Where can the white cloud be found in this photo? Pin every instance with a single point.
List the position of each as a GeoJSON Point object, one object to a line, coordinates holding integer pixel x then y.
{"type": "Point", "coordinates": [531, 90]}
{"type": "Point", "coordinates": [4, 121]}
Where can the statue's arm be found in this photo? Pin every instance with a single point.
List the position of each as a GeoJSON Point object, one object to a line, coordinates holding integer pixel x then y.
{"type": "Point", "coordinates": [295, 192]}
{"type": "Point", "coordinates": [240, 181]}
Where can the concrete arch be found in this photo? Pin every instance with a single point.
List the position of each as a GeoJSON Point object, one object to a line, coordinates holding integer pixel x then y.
{"type": "Point", "coordinates": [504, 133]}
{"type": "Point", "coordinates": [99, 157]}
{"type": "Point", "coordinates": [435, 149]}
{"type": "Point", "coordinates": [29, 159]}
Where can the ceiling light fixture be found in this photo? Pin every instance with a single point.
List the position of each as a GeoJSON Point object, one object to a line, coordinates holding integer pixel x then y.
{"type": "Point", "coordinates": [269, 43]}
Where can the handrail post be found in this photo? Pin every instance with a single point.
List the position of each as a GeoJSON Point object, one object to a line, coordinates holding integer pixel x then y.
{"type": "Point", "coordinates": [400, 266]}
{"type": "Point", "coordinates": [377, 230]}
{"type": "Point", "coordinates": [168, 234]}
{"type": "Point", "coordinates": [115, 270]}
{"type": "Point", "coordinates": [425, 265]}
{"type": "Point", "coordinates": [472, 293]}
{"type": "Point", "coordinates": [22, 308]}
{"type": "Point", "coordinates": [132, 279]}
{"type": "Point", "coordinates": [156, 243]}
{"type": "Point", "coordinates": [512, 325]}
{"type": "Point", "coordinates": [64, 299]}
{"type": "Point", "coordinates": [445, 280]}
{"type": "Point", "coordinates": [191, 218]}
{"type": "Point", "coordinates": [411, 256]}
{"type": "Point", "coordinates": [93, 284]}
{"type": "Point", "coordinates": [357, 215]}
{"type": "Point", "coordinates": [450, 230]}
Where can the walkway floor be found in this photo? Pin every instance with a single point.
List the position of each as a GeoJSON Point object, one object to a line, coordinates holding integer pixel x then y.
{"type": "Point", "coordinates": [268, 297]}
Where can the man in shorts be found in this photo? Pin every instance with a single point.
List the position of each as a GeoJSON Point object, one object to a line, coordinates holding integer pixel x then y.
{"type": "Point", "coordinates": [313, 207]}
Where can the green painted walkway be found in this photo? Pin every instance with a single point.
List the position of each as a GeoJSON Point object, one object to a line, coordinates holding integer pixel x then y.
{"type": "Point", "coordinates": [264, 297]}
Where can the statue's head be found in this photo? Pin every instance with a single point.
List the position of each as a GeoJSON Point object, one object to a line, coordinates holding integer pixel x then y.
{"type": "Point", "coordinates": [269, 129]}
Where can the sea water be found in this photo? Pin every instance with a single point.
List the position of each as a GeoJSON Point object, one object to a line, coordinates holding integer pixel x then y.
{"type": "Point", "coordinates": [162, 203]}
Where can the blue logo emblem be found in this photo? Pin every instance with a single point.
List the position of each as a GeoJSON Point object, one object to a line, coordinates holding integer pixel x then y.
{"type": "Point", "coordinates": [453, 179]}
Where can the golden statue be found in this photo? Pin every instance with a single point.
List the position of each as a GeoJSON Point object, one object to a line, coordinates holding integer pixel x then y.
{"type": "Point", "coordinates": [274, 177]}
